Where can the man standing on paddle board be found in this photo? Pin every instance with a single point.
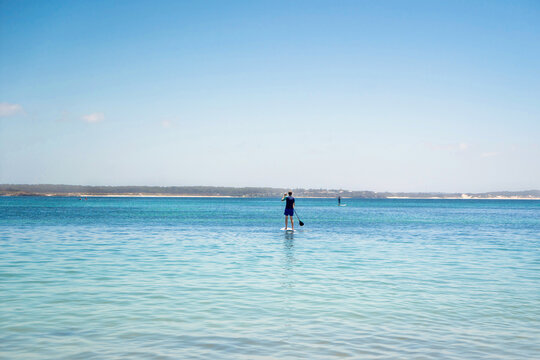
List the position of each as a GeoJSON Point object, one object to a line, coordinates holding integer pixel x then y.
{"type": "Point", "coordinates": [289, 208]}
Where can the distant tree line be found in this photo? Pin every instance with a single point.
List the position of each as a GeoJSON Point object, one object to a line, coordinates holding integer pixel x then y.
{"type": "Point", "coordinates": [77, 190]}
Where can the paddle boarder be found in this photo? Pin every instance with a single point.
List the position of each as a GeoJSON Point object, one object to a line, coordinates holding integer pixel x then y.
{"type": "Point", "coordinates": [339, 200]}
{"type": "Point", "coordinates": [289, 208]}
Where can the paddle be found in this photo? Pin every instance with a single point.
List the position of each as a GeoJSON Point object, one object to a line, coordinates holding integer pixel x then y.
{"type": "Point", "coordinates": [299, 221]}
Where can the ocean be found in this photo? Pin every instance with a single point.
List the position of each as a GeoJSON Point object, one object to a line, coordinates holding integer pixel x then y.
{"type": "Point", "coordinates": [216, 278]}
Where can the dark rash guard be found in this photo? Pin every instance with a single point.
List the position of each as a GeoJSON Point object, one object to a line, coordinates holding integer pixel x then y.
{"type": "Point", "coordinates": [290, 202]}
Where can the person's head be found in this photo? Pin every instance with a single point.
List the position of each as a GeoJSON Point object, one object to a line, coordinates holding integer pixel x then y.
{"type": "Point", "coordinates": [290, 193]}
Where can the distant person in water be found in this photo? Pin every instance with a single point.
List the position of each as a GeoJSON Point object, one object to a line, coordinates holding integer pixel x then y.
{"type": "Point", "coordinates": [339, 200]}
{"type": "Point", "coordinates": [289, 208]}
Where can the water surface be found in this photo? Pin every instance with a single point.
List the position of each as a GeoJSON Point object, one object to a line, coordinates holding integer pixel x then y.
{"type": "Point", "coordinates": [200, 278]}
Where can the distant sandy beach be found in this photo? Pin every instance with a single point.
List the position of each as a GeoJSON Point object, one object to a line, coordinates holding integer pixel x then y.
{"type": "Point", "coordinates": [157, 196]}
{"type": "Point", "coordinates": [465, 198]}
{"type": "Point", "coordinates": [305, 197]}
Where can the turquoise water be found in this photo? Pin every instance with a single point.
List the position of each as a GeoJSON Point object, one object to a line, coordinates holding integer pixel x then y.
{"type": "Point", "coordinates": [170, 278]}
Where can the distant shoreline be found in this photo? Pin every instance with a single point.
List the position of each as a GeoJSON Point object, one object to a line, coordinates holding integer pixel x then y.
{"type": "Point", "coordinates": [262, 197]}
{"type": "Point", "coordinates": [245, 192]}
{"type": "Point", "coordinates": [465, 198]}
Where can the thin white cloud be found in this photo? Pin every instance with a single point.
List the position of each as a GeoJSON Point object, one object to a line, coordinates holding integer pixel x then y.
{"type": "Point", "coordinates": [166, 124]}
{"type": "Point", "coordinates": [447, 147]}
{"type": "Point", "coordinates": [489, 154]}
{"type": "Point", "coordinates": [7, 109]}
{"type": "Point", "coordinates": [94, 117]}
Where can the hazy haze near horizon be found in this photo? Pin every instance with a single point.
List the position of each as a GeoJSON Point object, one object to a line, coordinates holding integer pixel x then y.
{"type": "Point", "coordinates": [382, 96]}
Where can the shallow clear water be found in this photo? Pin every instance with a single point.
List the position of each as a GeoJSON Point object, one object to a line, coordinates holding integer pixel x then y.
{"type": "Point", "coordinates": [170, 278]}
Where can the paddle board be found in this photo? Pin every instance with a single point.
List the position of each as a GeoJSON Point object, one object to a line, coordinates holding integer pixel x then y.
{"type": "Point", "coordinates": [287, 229]}
{"type": "Point", "coordinates": [343, 205]}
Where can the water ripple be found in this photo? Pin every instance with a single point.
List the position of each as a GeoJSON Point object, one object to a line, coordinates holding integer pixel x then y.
{"type": "Point", "coordinates": [214, 278]}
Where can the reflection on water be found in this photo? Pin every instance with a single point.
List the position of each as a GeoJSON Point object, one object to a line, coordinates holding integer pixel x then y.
{"type": "Point", "coordinates": [288, 260]}
{"type": "Point", "coordinates": [287, 298]}
{"type": "Point", "coordinates": [288, 250]}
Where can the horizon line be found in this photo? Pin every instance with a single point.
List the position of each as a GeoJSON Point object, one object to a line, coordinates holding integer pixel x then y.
{"type": "Point", "coordinates": [273, 188]}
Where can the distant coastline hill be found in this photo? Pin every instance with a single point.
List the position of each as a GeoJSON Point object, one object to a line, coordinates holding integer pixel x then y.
{"type": "Point", "coordinates": [80, 190]}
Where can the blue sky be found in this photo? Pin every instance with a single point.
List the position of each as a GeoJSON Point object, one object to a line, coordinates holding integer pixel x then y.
{"type": "Point", "coordinates": [361, 95]}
